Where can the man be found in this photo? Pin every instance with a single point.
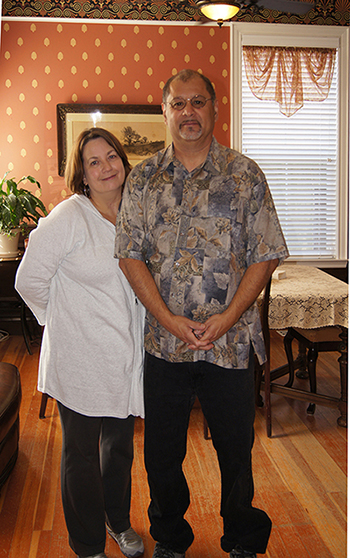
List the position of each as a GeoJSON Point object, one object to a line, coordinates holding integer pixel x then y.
{"type": "Point", "coordinates": [198, 240]}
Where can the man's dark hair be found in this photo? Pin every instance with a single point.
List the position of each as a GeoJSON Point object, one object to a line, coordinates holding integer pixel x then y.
{"type": "Point", "coordinates": [186, 75]}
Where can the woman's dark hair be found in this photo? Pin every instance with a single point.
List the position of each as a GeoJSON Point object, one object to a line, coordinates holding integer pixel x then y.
{"type": "Point", "coordinates": [74, 172]}
{"type": "Point", "coordinates": [186, 75]}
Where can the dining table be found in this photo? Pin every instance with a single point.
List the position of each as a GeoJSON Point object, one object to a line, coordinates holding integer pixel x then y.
{"type": "Point", "coordinates": [303, 296]}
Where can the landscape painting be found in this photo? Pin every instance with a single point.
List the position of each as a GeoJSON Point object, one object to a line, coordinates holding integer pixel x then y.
{"type": "Point", "coordinates": [140, 128]}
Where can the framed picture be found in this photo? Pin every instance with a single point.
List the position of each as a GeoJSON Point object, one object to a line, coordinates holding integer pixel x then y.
{"type": "Point", "coordinates": [140, 128]}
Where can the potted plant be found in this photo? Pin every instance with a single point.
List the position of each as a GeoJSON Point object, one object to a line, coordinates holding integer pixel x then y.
{"type": "Point", "coordinates": [18, 208]}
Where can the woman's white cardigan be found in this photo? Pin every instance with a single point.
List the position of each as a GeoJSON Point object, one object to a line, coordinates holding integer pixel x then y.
{"type": "Point", "coordinates": [92, 349]}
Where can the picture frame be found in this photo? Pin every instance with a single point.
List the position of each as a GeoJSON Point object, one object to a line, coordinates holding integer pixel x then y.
{"type": "Point", "coordinates": [140, 128]}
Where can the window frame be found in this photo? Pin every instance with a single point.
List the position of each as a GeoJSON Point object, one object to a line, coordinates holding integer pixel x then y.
{"type": "Point", "coordinates": [300, 36]}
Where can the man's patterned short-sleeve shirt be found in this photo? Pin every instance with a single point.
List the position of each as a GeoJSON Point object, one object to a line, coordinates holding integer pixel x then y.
{"type": "Point", "coordinates": [198, 233]}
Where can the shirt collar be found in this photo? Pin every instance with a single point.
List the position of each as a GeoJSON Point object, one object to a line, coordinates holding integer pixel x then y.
{"type": "Point", "coordinates": [211, 163]}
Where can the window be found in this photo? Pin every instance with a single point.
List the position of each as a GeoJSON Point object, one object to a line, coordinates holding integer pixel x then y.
{"type": "Point", "coordinates": [299, 157]}
{"type": "Point", "coordinates": [303, 156]}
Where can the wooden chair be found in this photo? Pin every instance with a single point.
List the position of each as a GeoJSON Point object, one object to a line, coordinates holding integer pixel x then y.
{"type": "Point", "coordinates": [261, 370]}
{"type": "Point", "coordinates": [324, 339]}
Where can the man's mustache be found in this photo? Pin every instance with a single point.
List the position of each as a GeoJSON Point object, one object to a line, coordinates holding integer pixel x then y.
{"type": "Point", "coordinates": [190, 121]}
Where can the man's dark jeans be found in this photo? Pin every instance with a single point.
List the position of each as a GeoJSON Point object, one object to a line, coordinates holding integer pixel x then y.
{"type": "Point", "coordinates": [227, 400]}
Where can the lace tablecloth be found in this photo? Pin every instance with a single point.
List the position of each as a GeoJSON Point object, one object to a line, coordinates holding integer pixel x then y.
{"type": "Point", "coordinates": [307, 298]}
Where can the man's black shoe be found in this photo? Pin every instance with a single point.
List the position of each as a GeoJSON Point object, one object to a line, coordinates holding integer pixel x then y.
{"type": "Point", "coordinates": [238, 552]}
{"type": "Point", "coordinates": [162, 552]}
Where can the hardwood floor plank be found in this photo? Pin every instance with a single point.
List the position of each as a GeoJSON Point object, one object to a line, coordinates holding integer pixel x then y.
{"type": "Point", "coordinates": [340, 501]}
{"type": "Point", "coordinates": [293, 541]}
{"type": "Point", "coordinates": [276, 546]}
{"type": "Point", "coordinates": [316, 462]}
{"type": "Point", "coordinates": [313, 541]}
{"type": "Point", "coordinates": [41, 548]}
{"type": "Point", "coordinates": [272, 496]}
{"type": "Point", "coordinates": [140, 493]}
{"type": "Point", "coordinates": [34, 545]}
{"type": "Point", "coordinates": [31, 490]}
{"type": "Point", "coordinates": [51, 476]}
{"type": "Point", "coordinates": [59, 538]}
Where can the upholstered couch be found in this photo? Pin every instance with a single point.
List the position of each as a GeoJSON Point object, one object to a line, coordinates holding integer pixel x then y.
{"type": "Point", "coordinates": [10, 400]}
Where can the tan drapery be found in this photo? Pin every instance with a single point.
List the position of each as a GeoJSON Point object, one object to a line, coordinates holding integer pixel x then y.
{"type": "Point", "coordinates": [289, 76]}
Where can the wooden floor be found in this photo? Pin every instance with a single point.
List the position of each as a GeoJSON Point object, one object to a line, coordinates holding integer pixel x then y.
{"type": "Point", "coordinates": [300, 476]}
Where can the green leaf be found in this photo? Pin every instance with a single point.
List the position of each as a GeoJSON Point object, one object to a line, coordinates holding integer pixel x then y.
{"type": "Point", "coordinates": [18, 205]}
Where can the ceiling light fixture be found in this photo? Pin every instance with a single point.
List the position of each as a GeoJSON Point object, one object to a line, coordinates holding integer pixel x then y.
{"type": "Point", "coordinates": [218, 10]}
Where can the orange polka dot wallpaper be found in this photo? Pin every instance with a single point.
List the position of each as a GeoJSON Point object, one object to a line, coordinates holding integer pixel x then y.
{"type": "Point", "coordinates": [45, 63]}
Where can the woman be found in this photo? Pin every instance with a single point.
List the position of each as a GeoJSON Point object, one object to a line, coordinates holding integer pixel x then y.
{"type": "Point", "coordinates": [91, 358]}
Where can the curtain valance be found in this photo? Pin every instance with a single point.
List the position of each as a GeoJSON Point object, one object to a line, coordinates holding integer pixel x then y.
{"type": "Point", "coordinates": [289, 76]}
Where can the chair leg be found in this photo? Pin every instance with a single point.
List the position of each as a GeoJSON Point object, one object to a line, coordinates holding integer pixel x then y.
{"type": "Point", "coordinates": [288, 338]}
{"type": "Point", "coordinates": [205, 429]}
{"type": "Point", "coordinates": [24, 327]}
{"type": "Point", "coordinates": [343, 366]}
{"type": "Point", "coordinates": [44, 398]}
{"type": "Point", "coordinates": [267, 379]}
{"type": "Point", "coordinates": [311, 366]}
{"type": "Point", "coordinates": [302, 373]}
{"type": "Point", "coordinates": [258, 379]}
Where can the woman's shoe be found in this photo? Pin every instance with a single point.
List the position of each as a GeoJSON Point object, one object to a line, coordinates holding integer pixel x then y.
{"type": "Point", "coordinates": [130, 543]}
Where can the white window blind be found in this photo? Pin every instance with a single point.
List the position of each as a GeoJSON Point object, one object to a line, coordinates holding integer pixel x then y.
{"type": "Point", "coordinates": [299, 156]}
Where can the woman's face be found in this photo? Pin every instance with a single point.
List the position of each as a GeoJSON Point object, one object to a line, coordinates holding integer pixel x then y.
{"type": "Point", "coordinates": [103, 168]}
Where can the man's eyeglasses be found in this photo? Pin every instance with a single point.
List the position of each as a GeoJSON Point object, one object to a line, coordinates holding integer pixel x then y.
{"type": "Point", "coordinates": [198, 102]}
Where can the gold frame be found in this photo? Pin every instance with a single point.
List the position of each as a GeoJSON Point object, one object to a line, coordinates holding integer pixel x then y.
{"type": "Point", "coordinates": [146, 121]}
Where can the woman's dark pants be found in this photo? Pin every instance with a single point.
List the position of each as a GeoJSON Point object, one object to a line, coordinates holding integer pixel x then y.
{"type": "Point", "coordinates": [97, 455]}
